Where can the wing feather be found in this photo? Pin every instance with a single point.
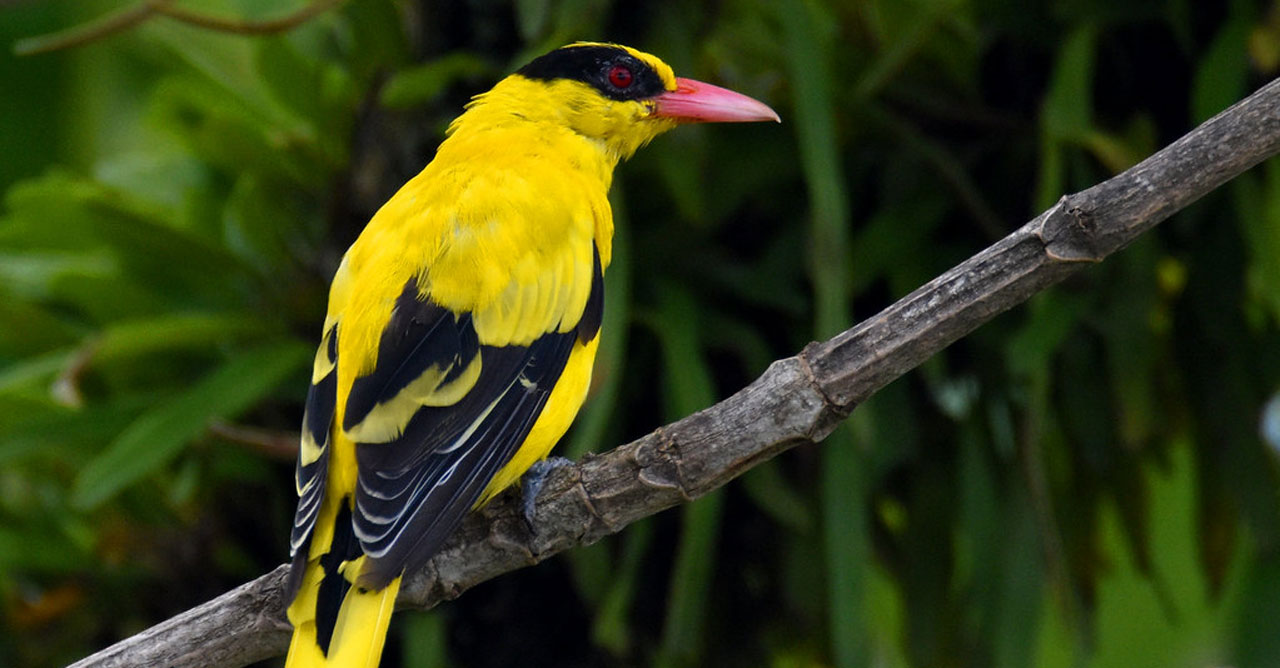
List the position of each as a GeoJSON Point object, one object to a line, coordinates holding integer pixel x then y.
{"type": "Point", "coordinates": [593, 312]}
{"type": "Point", "coordinates": [313, 454]}
{"type": "Point", "coordinates": [414, 491]}
{"type": "Point", "coordinates": [423, 348]}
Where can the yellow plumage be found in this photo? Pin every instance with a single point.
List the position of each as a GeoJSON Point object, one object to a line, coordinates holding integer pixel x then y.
{"type": "Point", "coordinates": [461, 331]}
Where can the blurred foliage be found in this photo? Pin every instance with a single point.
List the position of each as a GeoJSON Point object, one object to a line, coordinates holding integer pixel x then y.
{"type": "Point", "coordinates": [1085, 481]}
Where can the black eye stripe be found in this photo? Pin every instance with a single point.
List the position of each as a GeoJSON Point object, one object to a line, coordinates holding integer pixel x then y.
{"type": "Point", "coordinates": [591, 65]}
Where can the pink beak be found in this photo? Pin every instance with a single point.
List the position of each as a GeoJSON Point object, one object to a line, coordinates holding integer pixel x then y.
{"type": "Point", "coordinates": [698, 102]}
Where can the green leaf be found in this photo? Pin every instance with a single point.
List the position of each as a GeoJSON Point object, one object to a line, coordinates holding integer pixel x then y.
{"type": "Point", "coordinates": [160, 434]}
{"type": "Point", "coordinates": [35, 276]}
{"type": "Point", "coordinates": [31, 328]}
{"type": "Point", "coordinates": [532, 17]}
{"type": "Point", "coordinates": [682, 170]}
{"type": "Point", "coordinates": [1223, 71]}
{"type": "Point", "coordinates": [1111, 150]}
{"type": "Point", "coordinates": [1053, 316]}
{"type": "Point", "coordinates": [844, 483]}
{"type": "Point", "coordinates": [1264, 44]}
{"type": "Point", "coordinates": [64, 434]}
{"type": "Point", "coordinates": [231, 136]}
{"type": "Point", "coordinates": [320, 98]}
{"type": "Point", "coordinates": [893, 233]}
{"type": "Point", "coordinates": [920, 25]}
{"type": "Point", "coordinates": [416, 86]}
{"type": "Point", "coordinates": [230, 64]}
{"type": "Point", "coordinates": [41, 549]}
{"type": "Point", "coordinates": [1068, 106]}
{"type": "Point", "coordinates": [610, 628]}
{"type": "Point", "coordinates": [425, 634]}
{"type": "Point", "coordinates": [1258, 203]}
{"type": "Point", "coordinates": [1018, 595]}
{"type": "Point", "coordinates": [33, 371]}
{"type": "Point", "coordinates": [1131, 345]}
{"type": "Point", "coordinates": [977, 519]}
{"type": "Point", "coordinates": [816, 133]}
{"type": "Point", "coordinates": [175, 188]}
{"type": "Point", "coordinates": [687, 387]}
{"type": "Point", "coordinates": [65, 236]}
{"type": "Point", "coordinates": [774, 496]}
{"type": "Point", "coordinates": [1257, 631]}
{"type": "Point", "coordinates": [265, 221]}
{"type": "Point", "coordinates": [1067, 112]}
{"type": "Point", "coordinates": [375, 38]}
{"type": "Point", "coordinates": [132, 339]}
{"type": "Point", "coordinates": [293, 81]}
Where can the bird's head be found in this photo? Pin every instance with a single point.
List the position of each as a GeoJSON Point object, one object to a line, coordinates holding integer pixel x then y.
{"type": "Point", "coordinates": [616, 95]}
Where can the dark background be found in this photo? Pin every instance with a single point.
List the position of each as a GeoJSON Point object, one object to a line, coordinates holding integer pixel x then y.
{"type": "Point", "coordinates": [1085, 481]}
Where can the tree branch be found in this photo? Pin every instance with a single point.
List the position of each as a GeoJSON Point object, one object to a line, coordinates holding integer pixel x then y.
{"type": "Point", "coordinates": [240, 26]}
{"type": "Point", "coordinates": [109, 24]}
{"type": "Point", "coordinates": [797, 400]}
{"type": "Point", "coordinates": [135, 15]}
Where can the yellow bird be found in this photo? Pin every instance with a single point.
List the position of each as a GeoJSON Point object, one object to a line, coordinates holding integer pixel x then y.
{"type": "Point", "coordinates": [462, 327]}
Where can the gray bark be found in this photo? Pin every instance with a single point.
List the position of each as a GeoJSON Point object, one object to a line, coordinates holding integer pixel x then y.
{"type": "Point", "coordinates": [797, 400]}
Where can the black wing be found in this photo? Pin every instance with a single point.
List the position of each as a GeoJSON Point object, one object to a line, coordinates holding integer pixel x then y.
{"type": "Point", "coordinates": [313, 455]}
{"type": "Point", "coordinates": [419, 479]}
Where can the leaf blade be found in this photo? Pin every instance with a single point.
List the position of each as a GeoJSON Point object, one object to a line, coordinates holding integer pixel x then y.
{"type": "Point", "coordinates": [158, 435]}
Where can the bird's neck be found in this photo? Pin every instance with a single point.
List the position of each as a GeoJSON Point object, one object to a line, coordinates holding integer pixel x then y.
{"type": "Point", "coordinates": [517, 132]}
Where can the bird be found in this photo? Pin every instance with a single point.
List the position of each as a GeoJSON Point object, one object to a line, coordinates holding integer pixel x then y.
{"type": "Point", "coordinates": [461, 329]}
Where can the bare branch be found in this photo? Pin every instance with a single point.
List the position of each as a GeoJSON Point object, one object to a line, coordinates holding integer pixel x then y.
{"type": "Point", "coordinates": [97, 29]}
{"type": "Point", "coordinates": [274, 444]}
{"type": "Point", "coordinates": [797, 400]}
{"type": "Point", "coordinates": [245, 27]}
{"type": "Point", "coordinates": [135, 15]}
{"type": "Point", "coordinates": [244, 625]}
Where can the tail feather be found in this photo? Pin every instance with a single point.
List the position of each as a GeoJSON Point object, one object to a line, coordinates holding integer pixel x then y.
{"type": "Point", "coordinates": [337, 624]}
{"type": "Point", "coordinates": [362, 626]}
{"type": "Point", "coordinates": [358, 634]}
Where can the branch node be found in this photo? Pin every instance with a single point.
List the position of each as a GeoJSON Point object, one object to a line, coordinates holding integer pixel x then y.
{"type": "Point", "coordinates": [595, 517]}
{"type": "Point", "coordinates": [510, 535]}
{"type": "Point", "coordinates": [1069, 232]}
{"type": "Point", "coordinates": [660, 463]}
{"type": "Point", "coordinates": [834, 409]}
{"type": "Point", "coordinates": [444, 590]}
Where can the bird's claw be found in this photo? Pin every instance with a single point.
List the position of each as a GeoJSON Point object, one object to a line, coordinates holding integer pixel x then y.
{"type": "Point", "coordinates": [531, 484]}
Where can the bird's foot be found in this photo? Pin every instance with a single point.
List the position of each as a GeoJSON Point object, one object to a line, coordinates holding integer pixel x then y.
{"type": "Point", "coordinates": [531, 484]}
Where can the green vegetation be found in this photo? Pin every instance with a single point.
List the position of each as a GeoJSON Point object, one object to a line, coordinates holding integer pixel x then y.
{"type": "Point", "coordinates": [1082, 482]}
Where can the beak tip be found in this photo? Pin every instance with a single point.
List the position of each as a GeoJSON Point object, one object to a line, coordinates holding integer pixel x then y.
{"type": "Point", "coordinates": [696, 101]}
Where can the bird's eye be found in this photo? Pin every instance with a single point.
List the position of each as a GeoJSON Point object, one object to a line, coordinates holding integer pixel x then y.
{"type": "Point", "coordinates": [620, 76]}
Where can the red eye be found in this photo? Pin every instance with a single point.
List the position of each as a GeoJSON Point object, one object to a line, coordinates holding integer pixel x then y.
{"type": "Point", "coordinates": [620, 76]}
